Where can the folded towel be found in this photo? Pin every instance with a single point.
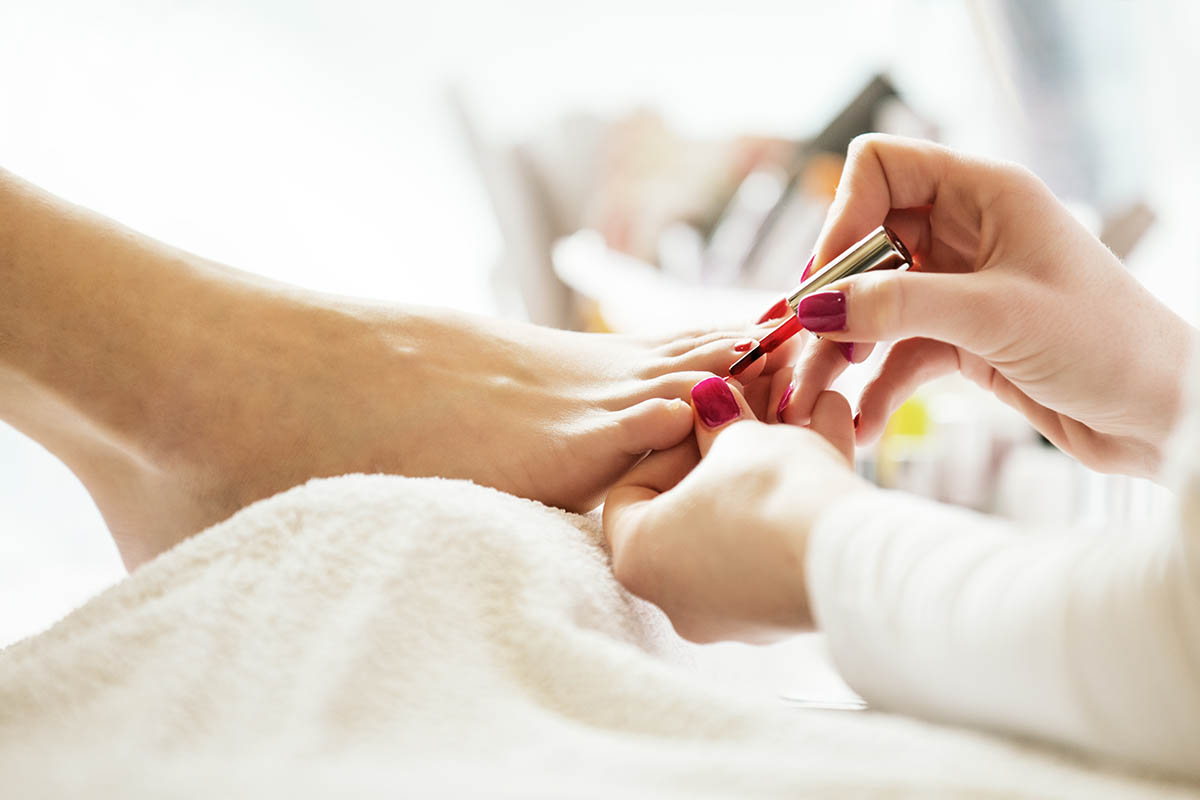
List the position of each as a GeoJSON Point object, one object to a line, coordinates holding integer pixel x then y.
{"type": "Point", "coordinates": [373, 635]}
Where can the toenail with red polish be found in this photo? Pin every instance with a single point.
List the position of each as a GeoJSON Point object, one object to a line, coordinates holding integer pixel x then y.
{"type": "Point", "coordinates": [714, 402]}
{"type": "Point", "coordinates": [742, 347]}
{"type": "Point", "coordinates": [857, 420]}
{"type": "Point", "coordinates": [847, 349]}
{"type": "Point", "coordinates": [783, 401]}
{"type": "Point", "coordinates": [780, 309]}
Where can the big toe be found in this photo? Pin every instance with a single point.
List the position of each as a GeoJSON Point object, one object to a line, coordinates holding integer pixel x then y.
{"type": "Point", "coordinates": [654, 424]}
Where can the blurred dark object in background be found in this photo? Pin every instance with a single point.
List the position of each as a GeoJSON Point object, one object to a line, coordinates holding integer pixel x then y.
{"type": "Point", "coordinates": [767, 249]}
{"type": "Point", "coordinates": [742, 213]}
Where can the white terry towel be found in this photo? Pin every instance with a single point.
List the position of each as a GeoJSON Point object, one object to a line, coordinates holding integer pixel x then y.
{"type": "Point", "coordinates": [382, 636]}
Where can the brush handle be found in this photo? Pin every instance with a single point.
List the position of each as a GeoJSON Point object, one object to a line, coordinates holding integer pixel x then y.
{"type": "Point", "coordinates": [879, 249]}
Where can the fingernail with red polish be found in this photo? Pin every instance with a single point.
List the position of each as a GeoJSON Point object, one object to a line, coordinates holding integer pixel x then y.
{"type": "Point", "coordinates": [742, 347]}
{"type": "Point", "coordinates": [822, 312]}
{"type": "Point", "coordinates": [776, 311]}
{"type": "Point", "coordinates": [714, 402]}
{"type": "Point", "coordinates": [808, 267]}
{"type": "Point", "coordinates": [847, 349]}
{"type": "Point", "coordinates": [783, 401]}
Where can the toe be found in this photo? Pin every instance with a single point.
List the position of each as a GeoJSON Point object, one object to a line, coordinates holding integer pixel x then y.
{"type": "Point", "coordinates": [780, 397]}
{"type": "Point", "coordinates": [654, 424]}
{"type": "Point", "coordinates": [672, 385]}
{"type": "Point", "coordinates": [682, 346]}
{"type": "Point", "coordinates": [715, 357]}
{"type": "Point", "coordinates": [683, 342]}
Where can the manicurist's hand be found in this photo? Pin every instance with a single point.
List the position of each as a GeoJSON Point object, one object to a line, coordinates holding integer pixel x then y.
{"type": "Point", "coordinates": [714, 530]}
{"type": "Point", "coordinates": [1011, 291]}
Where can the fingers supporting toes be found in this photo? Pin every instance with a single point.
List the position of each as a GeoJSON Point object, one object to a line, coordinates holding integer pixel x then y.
{"type": "Point", "coordinates": [831, 419]}
{"type": "Point", "coordinates": [816, 369]}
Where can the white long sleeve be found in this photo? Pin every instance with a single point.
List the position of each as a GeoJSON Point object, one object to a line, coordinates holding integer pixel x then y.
{"type": "Point", "coordinates": [1089, 640]}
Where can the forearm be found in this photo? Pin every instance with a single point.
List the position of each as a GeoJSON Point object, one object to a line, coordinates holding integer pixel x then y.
{"type": "Point", "coordinates": [1092, 641]}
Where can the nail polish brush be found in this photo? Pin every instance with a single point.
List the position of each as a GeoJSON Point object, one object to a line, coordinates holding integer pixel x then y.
{"type": "Point", "coordinates": [879, 249]}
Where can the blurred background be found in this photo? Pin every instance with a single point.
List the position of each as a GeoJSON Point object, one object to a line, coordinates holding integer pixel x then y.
{"type": "Point", "coordinates": [585, 165]}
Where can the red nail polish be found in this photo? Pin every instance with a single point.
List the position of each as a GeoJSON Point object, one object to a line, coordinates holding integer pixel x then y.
{"type": "Point", "coordinates": [857, 420]}
{"type": "Point", "coordinates": [714, 402]}
{"type": "Point", "coordinates": [823, 312]}
{"type": "Point", "coordinates": [780, 309]}
{"type": "Point", "coordinates": [785, 331]}
{"type": "Point", "coordinates": [847, 349]}
{"type": "Point", "coordinates": [808, 267]}
{"type": "Point", "coordinates": [783, 401]}
{"type": "Point", "coordinates": [742, 347]}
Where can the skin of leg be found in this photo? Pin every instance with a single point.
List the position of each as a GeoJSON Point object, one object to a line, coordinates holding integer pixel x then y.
{"type": "Point", "coordinates": [179, 390]}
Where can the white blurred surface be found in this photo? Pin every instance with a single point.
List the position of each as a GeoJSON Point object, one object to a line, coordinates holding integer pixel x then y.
{"type": "Point", "coordinates": [308, 141]}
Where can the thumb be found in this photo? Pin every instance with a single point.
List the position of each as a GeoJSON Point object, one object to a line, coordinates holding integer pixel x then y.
{"type": "Point", "coordinates": [971, 310]}
{"type": "Point", "coordinates": [718, 404]}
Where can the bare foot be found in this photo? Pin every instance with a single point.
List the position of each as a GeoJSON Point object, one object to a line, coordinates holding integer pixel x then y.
{"type": "Point", "coordinates": [291, 387]}
{"type": "Point", "coordinates": [179, 390]}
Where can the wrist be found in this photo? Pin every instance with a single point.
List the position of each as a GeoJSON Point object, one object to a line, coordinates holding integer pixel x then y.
{"type": "Point", "coordinates": [1166, 389]}
{"type": "Point", "coordinates": [829, 536]}
{"type": "Point", "coordinates": [805, 514]}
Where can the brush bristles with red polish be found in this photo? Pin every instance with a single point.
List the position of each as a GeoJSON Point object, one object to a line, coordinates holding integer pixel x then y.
{"type": "Point", "coordinates": [790, 327]}
{"type": "Point", "coordinates": [769, 343]}
{"type": "Point", "coordinates": [747, 360]}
